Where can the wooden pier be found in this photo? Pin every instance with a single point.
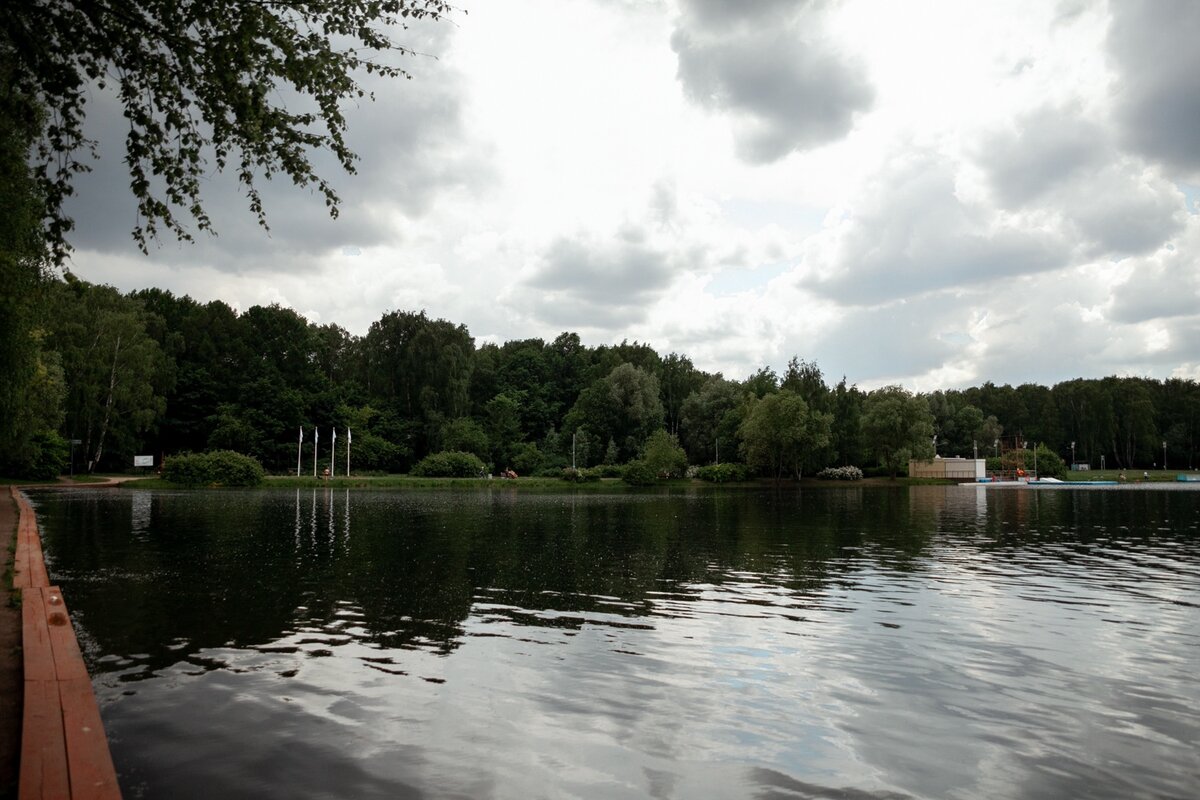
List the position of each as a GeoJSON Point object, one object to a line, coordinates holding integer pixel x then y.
{"type": "Point", "coordinates": [64, 752]}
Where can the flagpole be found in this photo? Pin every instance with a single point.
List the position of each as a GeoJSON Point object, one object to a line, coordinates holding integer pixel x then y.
{"type": "Point", "coordinates": [349, 439]}
{"type": "Point", "coordinates": [316, 447]}
{"type": "Point", "coordinates": [299, 447]}
{"type": "Point", "coordinates": [333, 454]}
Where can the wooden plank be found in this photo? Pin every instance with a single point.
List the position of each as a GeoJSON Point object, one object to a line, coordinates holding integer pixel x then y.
{"type": "Point", "coordinates": [93, 776]}
{"type": "Point", "coordinates": [38, 576]}
{"type": "Point", "coordinates": [68, 660]}
{"type": "Point", "coordinates": [35, 638]}
{"type": "Point", "coordinates": [64, 751]}
{"type": "Point", "coordinates": [43, 744]}
{"type": "Point", "coordinates": [21, 566]}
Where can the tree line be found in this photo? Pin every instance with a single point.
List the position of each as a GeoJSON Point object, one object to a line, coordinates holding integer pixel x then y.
{"type": "Point", "coordinates": [152, 373]}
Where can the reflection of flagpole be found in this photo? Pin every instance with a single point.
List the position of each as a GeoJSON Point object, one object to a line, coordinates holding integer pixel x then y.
{"type": "Point", "coordinates": [349, 439]}
{"type": "Point", "coordinates": [299, 447]}
{"type": "Point", "coordinates": [316, 447]}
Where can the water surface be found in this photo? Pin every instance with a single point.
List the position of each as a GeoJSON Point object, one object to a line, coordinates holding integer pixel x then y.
{"type": "Point", "coordinates": [848, 642]}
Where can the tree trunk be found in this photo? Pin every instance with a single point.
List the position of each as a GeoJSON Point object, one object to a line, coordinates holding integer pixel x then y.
{"type": "Point", "coordinates": [108, 404]}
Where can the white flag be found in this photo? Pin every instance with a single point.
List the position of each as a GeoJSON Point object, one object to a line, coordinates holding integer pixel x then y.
{"type": "Point", "coordinates": [349, 438]}
{"type": "Point", "coordinates": [301, 434]}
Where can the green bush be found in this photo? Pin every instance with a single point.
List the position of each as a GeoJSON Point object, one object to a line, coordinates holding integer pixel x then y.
{"type": "Point", "coordinates": [218, 468]}
{"type": "Point", "coordinates": [607, 471]}
{"type": "Point", "coordinates": [449, 464]}
{"type": "Point", "coordinates": [723, 473]}
{"type": "Point", "coordinates": [49, 453]}
{"type": "Point", "coordinates": [639, 473]}
{"type": "Point", "coordinates": [527, 459]}
{"type": "Point", "coordinates": [664, 455]}
{"type": "Point", "coordinates": [580, 475]}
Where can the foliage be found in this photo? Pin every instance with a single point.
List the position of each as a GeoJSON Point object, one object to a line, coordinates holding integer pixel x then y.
{"type": "Point", "coordinates": [840, 474]}
{"type": "Point", "coordinates": [779, 431]}
{"type": "Point", "coordinates": [1040, 461]}
{"type": "Point", "coordinates": [115, 371]}
{"type": "Point", "coordinates": [607, 470]}
{"type": "Point", "coordinates": [31, 385]}
{"type": "Point", "coordinates": [43, 458]}
{"type": "Point", "coordinates": [215, 468]}
{"type": "Point", "coordinates": [527, 459]}
{"type": "Point", "coordinates": [663, 454]}
{"type": "Point", "coordinates": [723, 473]}
{"type": "Point", "coordinates": [449, 464]}
{"type": "Point", "coordinates": [623, 406]}
{"type": "Point", "coordinates": [257, 87]}
{"type": "Point", "coordinates": [580, 475]}
{"type": "Point", "coordinates": [846, 432]}
{"type": "Point", "coordinates": [502, 423]}
{"type": "Point", "coordinates": [639, 473]}
{"type": "Point", "coordinates": [897, 426]}
{"type": "Point", "coordinates": [466, 435]}
{"type": "Point", "coordinates": [709, 420]}
{"type": "Point", "coordinates": [172, 375]}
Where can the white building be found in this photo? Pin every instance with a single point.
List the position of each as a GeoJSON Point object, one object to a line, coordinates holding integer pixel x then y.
{"type": "Point", "coordinates": [955, 469]}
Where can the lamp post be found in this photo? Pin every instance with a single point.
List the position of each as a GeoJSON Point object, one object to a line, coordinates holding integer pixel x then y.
{"type": "Point", "coordinates": [1164, 454]}
{"type": "Point", "coordinates": [975, 449]}
{"type": "Point", "coordinates": [1035, 472]}
{"type": "Point", "coordinates": [1072, 455]}
{"type": "Point", "coordinates": [996, 444]}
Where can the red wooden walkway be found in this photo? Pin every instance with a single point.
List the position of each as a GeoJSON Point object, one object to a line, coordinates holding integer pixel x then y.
{"type": "Point", "coordinates": [64, 752]}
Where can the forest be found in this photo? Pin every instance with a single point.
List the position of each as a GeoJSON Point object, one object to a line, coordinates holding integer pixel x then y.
{"type": "Point", "coordinates": [150, 373]}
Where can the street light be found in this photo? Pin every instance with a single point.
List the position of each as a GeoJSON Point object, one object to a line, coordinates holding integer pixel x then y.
{"type": "Point", "coordinates": [1164, 454]}
{"type": "Point", "coordinates": [975, 449]}
{"type": "Point", "coordinates": [996, 444]}
{"type": "Point", "coordinates": [1072, 455]}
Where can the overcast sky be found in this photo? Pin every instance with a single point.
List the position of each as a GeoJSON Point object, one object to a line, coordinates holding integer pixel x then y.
{"type": "Point", "coordinates": [929, 193]}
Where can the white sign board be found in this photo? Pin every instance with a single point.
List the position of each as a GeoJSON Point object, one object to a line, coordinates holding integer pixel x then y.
{"type": "Point", "coordinates": [143, 461]}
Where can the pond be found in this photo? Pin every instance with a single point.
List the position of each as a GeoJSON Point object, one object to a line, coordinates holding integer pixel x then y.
{"type": "Point", "coordinates": [845, 642]}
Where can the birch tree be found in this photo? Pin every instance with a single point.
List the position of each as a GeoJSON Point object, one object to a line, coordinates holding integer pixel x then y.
{"type": "Point", "coordinates": [115, 372]}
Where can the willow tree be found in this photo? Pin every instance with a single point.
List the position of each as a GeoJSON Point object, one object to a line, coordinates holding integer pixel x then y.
{"type": "Point", "coordinates": [897, 426]}
{"type": "Point", "coordinates": [780, 430]}
{"type": "Point", "coordinates": [256, 87]}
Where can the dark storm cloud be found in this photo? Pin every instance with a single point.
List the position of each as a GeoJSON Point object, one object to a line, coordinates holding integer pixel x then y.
{"type": "Point", "coordinates": [914, 236]}
{"type": "Point", "coordinates": [1122, 214]}
{"type": "Point", "coordinates": [410, 144]}
{"type": "Point", "coordinates": [1153, 46]}
{"type": "Point", "coordinates": [598, 284]}
{"type": "Point", "coordinates": [765, 64]}
{"type": "Point", "coordinates": [1055, 161]}
{"type": "Point", "coordinates": [1039, 152]}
